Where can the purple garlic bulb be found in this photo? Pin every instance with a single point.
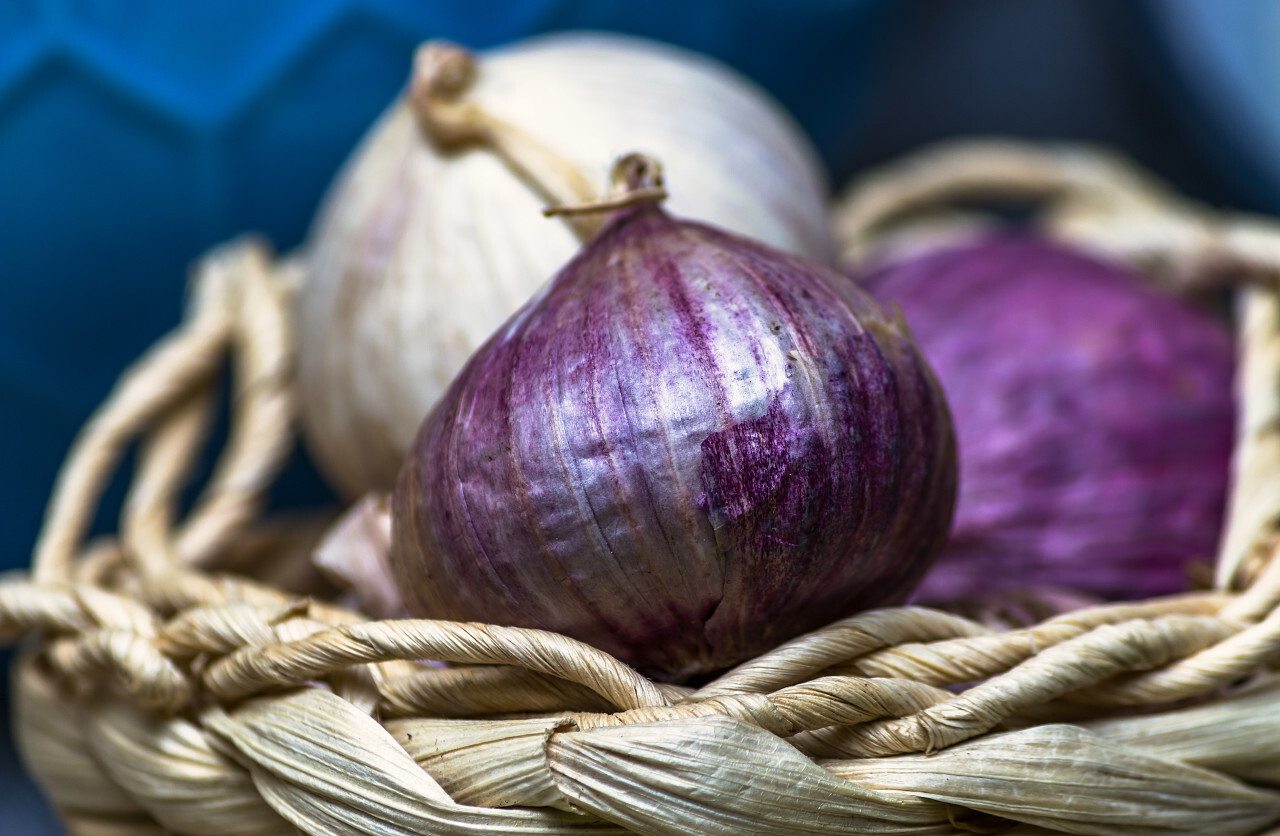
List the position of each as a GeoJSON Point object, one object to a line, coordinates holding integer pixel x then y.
{"type": "Point", "coordinates": [688, 448]}
{"type": "Point", "coordinates": [1094, 415]}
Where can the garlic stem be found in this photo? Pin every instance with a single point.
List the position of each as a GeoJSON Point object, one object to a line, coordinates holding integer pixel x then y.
{"type": "Point", "coordinates": [635, 179]}
{"type": "Point", "coordinates": [442, 73]}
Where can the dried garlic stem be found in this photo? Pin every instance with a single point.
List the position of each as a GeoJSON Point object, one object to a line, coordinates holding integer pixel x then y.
{"type": "Point", "coordinates": [442, 74]}
{"type": "Point", "coordinates": [635, 179]}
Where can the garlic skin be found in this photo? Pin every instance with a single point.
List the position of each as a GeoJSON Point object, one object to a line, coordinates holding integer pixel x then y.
{"type": "Point", "coordinates": [419, 253]}
{"type": "Point", "coordinates": [1094, 417]}
{"type": "Point", "coordinates": [689, 449]}
{"type": "Point", "coordinates": [355, 554]}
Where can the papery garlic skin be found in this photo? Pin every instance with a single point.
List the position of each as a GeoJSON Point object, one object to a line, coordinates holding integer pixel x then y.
{"type": "Point", "coordinates": [418, 254]}
{"type": "Point", "coordinates": [688, 450]}
{"type": "Point", "coordinates": [1094, 414]}
{"type": "Point", "coordinates": [355, 554]}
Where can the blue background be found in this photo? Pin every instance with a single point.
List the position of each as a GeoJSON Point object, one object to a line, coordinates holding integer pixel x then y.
{"type": "Point", "coordinates": [135, 134]}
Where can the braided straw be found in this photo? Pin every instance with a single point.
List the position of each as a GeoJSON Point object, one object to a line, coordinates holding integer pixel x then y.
{"type": "Point", "coordinates": [165, 694]}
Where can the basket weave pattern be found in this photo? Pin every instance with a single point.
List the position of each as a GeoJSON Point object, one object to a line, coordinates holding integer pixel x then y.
{"type": "Point", "coordinates": [167, 690]}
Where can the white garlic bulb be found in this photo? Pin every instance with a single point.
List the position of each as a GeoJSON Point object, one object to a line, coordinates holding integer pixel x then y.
{"type": "Point", "coordinates": [433, 233]}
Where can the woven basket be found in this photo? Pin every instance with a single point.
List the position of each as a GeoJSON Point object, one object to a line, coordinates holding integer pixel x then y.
{"type": "Point", "coordinates": [171, 683]}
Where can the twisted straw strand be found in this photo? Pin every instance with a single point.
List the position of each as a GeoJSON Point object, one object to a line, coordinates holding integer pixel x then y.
{"type": "Point", "coordinates": [172, 368]}
{"type": "Point", "coordinates": [264, 403]}
{"type": "Point", "coordinates": [253, 668]}
{"type": "Point", "coordinates": [1074, 664]}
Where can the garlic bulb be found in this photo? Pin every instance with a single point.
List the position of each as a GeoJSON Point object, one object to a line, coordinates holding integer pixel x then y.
{"type": "Point", "coordinates": [1093, 413]}
{"type": "Point", "coordinates": [690, 448]}
{"type": "Point", "coordinates": [433, 234]}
